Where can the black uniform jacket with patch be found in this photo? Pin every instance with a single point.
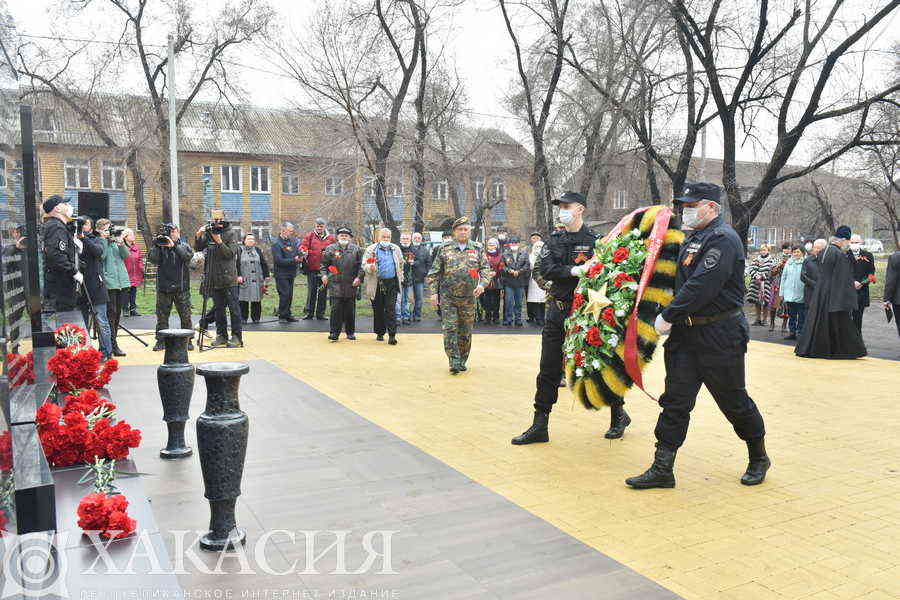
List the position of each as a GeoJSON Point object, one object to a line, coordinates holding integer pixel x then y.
{"type": "Point", "coordinates": [60, 264]}
{"type": "Point", "coordinates": [709, 282]}
{"type": "Point", "coordinates": [564, 251]}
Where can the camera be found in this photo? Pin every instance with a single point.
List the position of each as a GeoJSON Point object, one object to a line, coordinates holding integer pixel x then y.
{"type": "Point", "coordinates": [163, 234]}
{"type": "Point", "coordinates": [217, 226]}
{"type": "Point", "coordinates": [116, 231]}
{"type": "Point", "coordinates": [76, 225]}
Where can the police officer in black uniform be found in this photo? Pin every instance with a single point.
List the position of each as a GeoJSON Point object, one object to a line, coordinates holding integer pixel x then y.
{"type": "Point", "coordinates": [61, 274]}
{"type": "Point", "coordinates": [566, 257]}
{"type": "Point", "coordinates": [708, 339]}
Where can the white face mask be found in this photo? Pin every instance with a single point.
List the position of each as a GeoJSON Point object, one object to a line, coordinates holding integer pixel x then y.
{"type": "Point", "coordinates": [343, 242]}
{"type": "Point", "coordinates": [514, 248]}
{"type": "Point", "coordinates": [416, 244]}
{"type": "Point", "coordinates": [690, 217]}
{"type": "Point", "coordinates": [855, 247]}
{"type": "Point", "coordinates": [68, 210]}
{"type": "Point", "coordinates": [566, 215]}
{"type": "Point", "coordinates": [808, 247]}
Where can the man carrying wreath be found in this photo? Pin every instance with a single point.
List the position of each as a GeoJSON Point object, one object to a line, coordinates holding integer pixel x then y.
{"type": "Point", "coordinates": [708, 341]}
{"type": "Point", "coordinates": [566, 257]}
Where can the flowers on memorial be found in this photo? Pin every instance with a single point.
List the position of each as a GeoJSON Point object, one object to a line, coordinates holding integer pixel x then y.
{"type": "Point", "coordinates": [81, 368]}
{"type": "Point", "coordinates": [20, 369]}
{"type": "Point", "coordinates": [70, 334]}
{"type": "Point", "coordinates": [595, 329]}
{"type": "Point", "coordinates": [6, 451]}
{"type": "Point", "coordinates": [106, 513]}
{"type": "Point", "coordinates": [84, 430]}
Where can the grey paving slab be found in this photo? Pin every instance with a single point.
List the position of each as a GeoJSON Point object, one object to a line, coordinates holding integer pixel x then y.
{"type": "Point", "coordinates": [315, 466]}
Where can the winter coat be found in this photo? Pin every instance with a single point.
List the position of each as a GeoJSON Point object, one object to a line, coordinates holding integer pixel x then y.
{"type": "Point", "coordinates": [92, 269]}
{"type": "Point", "coordinates": [283, 253]}
{"type": "Point", "coordinates": [370, 268]}
{"type": "Point", "coordinates": [253, 270]}
{"type": "Point", "coordinates": [114, 271]}
{"type": "Point", "coordinates": [134, 264]}
{"type": "Point", "coordinates": [495, 262]}
{"type": "Point", "coordinates": [791, 286]}
{"type": "Point", "coordinates": [341, 265]}
{"type": "Point", "coordinates": [172, 273]}
{"type": "Point", "coordinates": [515, 262]}
{"type": "Point", "coordinates": [760, 273]}
{"type": "Point", "coordinates": [892, 280]}
{"type": "Point", "coordinates": [809, 275]}
{"type": "Point", "coordinates": [220, 260]}
{"type": "Point", "coordinates": [60, 265]}
{"type": "Point", "coordinates": [315, 246]}
{"type": "Point", "coordinates": [863, 266]}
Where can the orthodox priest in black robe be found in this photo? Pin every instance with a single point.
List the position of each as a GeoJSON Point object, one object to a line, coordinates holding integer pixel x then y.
{"type": "Point", "coordinates": [829, 331]}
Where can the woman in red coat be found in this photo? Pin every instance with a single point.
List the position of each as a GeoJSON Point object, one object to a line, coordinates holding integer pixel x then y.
{"type": "Point", "coordinates": [134, 264]}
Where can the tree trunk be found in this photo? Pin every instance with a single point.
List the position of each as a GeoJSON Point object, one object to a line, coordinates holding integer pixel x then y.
{"type": "Point", "coordinates": [652, 184]}
{"type": "Point", "coordinates": [140, 204]}
{"type": "Point", "coordinates": [543, 212]}
{"type": "Point", "coordinates": [387, 218]}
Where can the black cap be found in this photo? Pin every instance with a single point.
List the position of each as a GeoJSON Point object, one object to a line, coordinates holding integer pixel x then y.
{"type": "Point", "coordinates": [570, 197]}
{"type": "Point", "coordinates": [694, 192]}
{"type": "Point", "coordinates": [52, 202]}
{"type": "Point", "coordinates": [346, 230]}
{"type": "Point", "coordinates": [843, 232]}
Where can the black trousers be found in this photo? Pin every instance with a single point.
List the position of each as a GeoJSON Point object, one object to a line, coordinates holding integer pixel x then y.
{"type": "Point", "coordinates": [896, 309]}
{"type": "Point", "coordinates": [225, 299]}
{"type": "Point", "coordinates": [857, 316]}
{"type": "Point", "coordinates": [315, 295]}
{"type": "Point", "coordinates": [686, 371]}
{"type": "Point", "coordinates": [118, 301]}
{"type": "Point", "coordinates": [250, 310]}
{"type": "Point", "coordinates": [551, 357]}
{"type": "Point", "coordinates": [343, 314]}
{"type": "Point", "coordinates": [285, 288]}
{"type": "Point", "coordinates": [385, 306]}
{"type": "Point", "coordinates": [490, 302]}
{"type": "Point", "coordinates": [536, 312]}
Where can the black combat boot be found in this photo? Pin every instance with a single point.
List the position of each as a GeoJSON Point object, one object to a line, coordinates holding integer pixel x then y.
{"type": "Point", "coordinates": [618, 421]}
{"type": "Point", "coordinates": [159, 346]}
{"type": "Point", "coordinates": [759, 462]}
{"type": "Point", "coordinates": [235, 342]}
{"type": "Point", "coordinates": [536, 433]}
{"type": "Point", "coordinates": [220, 342]}
{"type": "Point", "coordinates": [116, 351]}
{"type": "Point", "coordinates": [660, 474]}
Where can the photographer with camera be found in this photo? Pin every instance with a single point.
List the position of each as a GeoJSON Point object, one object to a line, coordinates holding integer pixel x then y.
{"type": "Point", "coordinates": [216, 241]}
{"type": "Point", "coordinates": [118, 284]}
{"type": "Point", "coordinates": [94, 284]}
{"type": "Point", "coordinates": [172, 256]}
{"type": "Point", "coordinates": [61, 274]}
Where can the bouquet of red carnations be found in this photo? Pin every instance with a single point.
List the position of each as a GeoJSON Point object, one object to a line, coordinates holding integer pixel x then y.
{"type": "Point", "coordinates": [20, 369]}
{"type": "Point", "coordinates": [106, 513]}
{"type": "Point", "coordinates": [81, 368]}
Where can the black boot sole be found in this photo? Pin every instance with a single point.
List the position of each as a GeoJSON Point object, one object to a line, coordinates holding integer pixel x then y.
{"type": "Point", "coordinates": [650, 485]}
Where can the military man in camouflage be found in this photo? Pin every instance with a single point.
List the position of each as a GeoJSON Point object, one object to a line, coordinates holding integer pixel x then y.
{"type": "Point", "coordinates": [458, 275]}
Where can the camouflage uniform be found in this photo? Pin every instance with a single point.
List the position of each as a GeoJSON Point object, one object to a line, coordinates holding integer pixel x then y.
{"type": "Point", "coordinates": [454, 275]}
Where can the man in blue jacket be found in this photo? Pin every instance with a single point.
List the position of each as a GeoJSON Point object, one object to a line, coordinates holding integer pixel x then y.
{"type": "Point", "coordinates": [285, 258]}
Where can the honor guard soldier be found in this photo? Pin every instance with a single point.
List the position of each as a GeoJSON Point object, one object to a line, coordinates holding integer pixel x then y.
{"type": "Point", "coordinates": [458, 276]}
{"type": "Point", "coordinates": [61, 274]}
{"type": "Point", "coordinates": [563, 259]}
{"type": "Point", "coordinates": [708, 340]}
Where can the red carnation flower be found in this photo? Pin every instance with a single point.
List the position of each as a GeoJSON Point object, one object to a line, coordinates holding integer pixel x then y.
{"type": "Point", "coordinates": [593, 337]}
{"type": "Point", "coordinates": [577, 302]}
{"type": "Point", "coordinates": [575, 329]}
{"type": "Point", "coordinates": [872, 279]}
{"type": "Point", "coordinates": [333, 270]}
{"type": "Point", "coordinates": [596, 270]}
{"type": "Point", "coordinates": [579, 358]}
{"type": "Point", "coordinates": [621, 254]}
{"type": "Point", "coordinates": [6, 451]}
{"type": "Point", "coordinates": [48, 415]}
{"type": "Point", "coordinates": [621, 279]}
{"type": "Point", "coordinates": [473, 273]}
{"type": "Point", "coordinates": [371, 260]}
{"type": "Point", "coordinates": [609, 315]}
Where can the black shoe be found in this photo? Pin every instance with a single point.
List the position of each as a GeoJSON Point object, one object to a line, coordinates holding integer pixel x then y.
{"type": "Point", "coordinates": [243, 321]}
{"type": "Point", "coordinates": [461, 366]}
{"type": "Point", "coordinates": [190, 344]}
{"type": "Point", "coordinates": [235, 342]}
{"type": "Point", "coordinates": [660, 474]}
{"type": "Point", "coordinates": [519, 324]}
{"type": "Point", "coordinates": [255, 321]}
{"type": "Point", "coordinates": [283, 321]}
{"type": "Point", "coordinates": [454, 370]}
{"type": "Point", "coordinates": [537, 433]}
{"type": "Point", "coordinates": [406, 321]}
{"type": "Point", "coordinates": [759, 462]}
{"type": "Point", "coordinates": [392, 340]}
{"type": "Point", "coordinates": [618, 421]}
{"type": "Point", "coordinates": [351, 336]}
{"type": "Point", "coordinates": [291, 319]}
{"type": "Point", "coordinates": [758, 323]}
{"type": "Point", "coordinates": [793, 336]}
{"type": "Point", "coordinates": [321, 318]}
{"type": "Point", "coordinates": [333, 337]}
{"type": "Point", "coordinates": [159, 346]}
{"type": "Point", "coordinates": [220, 342]}
{"type": "Point", "coordinates": [379, 337]}
{"type": "Point", "coordinates": [117, 351]}
{"type": "Point", "coordinates": [306, 318]}
{"type": "Point", "coordinates": [135, 313]}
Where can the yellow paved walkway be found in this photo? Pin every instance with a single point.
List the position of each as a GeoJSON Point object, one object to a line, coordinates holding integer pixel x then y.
{"type": "Point", "coordinates": [825, 525]}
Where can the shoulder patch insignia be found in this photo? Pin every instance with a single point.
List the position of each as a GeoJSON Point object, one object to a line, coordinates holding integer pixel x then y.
{"type": "Point", "coordinates": [711, 259]}
{"type": "Point", "coordinates": [62, 245]}
{"type": "Point", "coordinates": [545, 252]}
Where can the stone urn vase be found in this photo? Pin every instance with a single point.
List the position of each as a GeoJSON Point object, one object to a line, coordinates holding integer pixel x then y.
{"type": "Point", "coordinates": [222, 443]}
{"type": "Point", "coordinates": [175, 378]}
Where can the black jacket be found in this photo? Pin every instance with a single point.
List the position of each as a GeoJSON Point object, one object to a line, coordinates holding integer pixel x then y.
{"type": "Point", "coordinates": [563, 251]}
{"type": "Point", "coordinates": [92, 269]}
{"type": "Point", "coordinates": [892, 280]}
{"type": "Point", "coordinates": [709, 282]}
{"type": "Point", "coordinates": [60, 265]}
{"type": "Point", "coordinates": [172, 274]}
{"type": "Point", "coordinates": [283, 253]}
{"type": "Point", "coordinates": [519, 263]}
{"type": "Point", "coordinates": [863, 266]}
{"type": "Point", "coordinates": [347, 261]}
{"type": "Point", "coordinates": [219, 259]}
{"type": "Point", "coordinates": [809, 275]}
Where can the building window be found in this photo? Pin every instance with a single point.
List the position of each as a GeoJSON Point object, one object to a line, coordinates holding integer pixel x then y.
{"type": "Point", "coordinates": [262, 230]}
{"type": "Point", "coordinates": [290, 182]}
{"type": "Point", "coordinates": [771, 235]}
{"type": "Point", "coordinates": [334, 186]}
{"type": "Point", "coordinates": [369, 191]}
{"type": "Point", "coordinates": [394, 189]}
{"type": "Point", "coordinates": [2, 172]}
{"type": "Point", "coordinates": [112, 176]}
{"type": "Point", "coordinates": [78, 174]}
{"type": "Point", "coordinates": [439, 191]}
{"type": "Point", "coordinates": [499, 191]}
{"type": "Point", "coordinates": [259, 179]}
{"type": "Point", "coordinates": [620, 200]}
{"type": "Point", "coordinates": [479, 191]}
{"type": "Point", "coordinates": [207, 170]}
{"type": "Point", "coordinates": [231, 178]}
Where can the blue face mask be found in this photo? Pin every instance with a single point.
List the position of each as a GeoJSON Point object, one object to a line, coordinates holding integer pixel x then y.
{"type": "Point", "coordinates": [384, 244]}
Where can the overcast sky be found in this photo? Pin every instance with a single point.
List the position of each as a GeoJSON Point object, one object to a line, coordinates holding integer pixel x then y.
{"type": "Point", "coordinates": [479, 44]}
